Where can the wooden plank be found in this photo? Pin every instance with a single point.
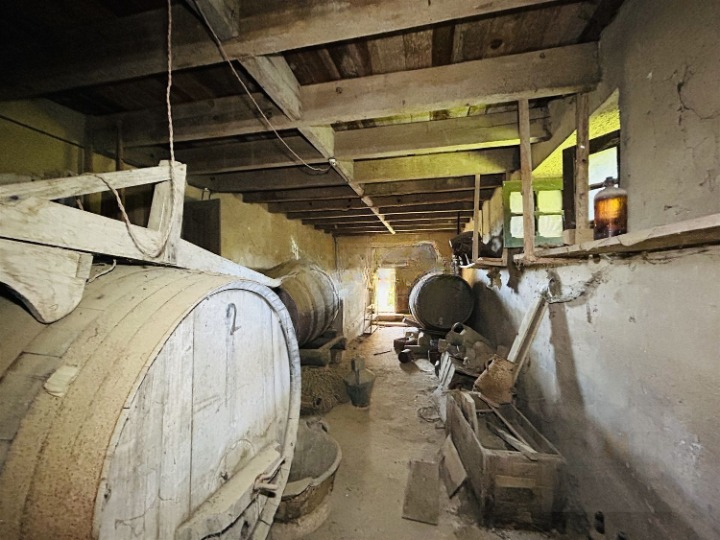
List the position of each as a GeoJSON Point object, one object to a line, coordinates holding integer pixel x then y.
{"type": "Point", "coordinates": [309, 194]}
{"type": "Point", "coordinates": [532, 75]}
{"type": "Point", "coordinates": [476, 219]}
{"type": "Point", "coordinates": [305, 23]}
{"type": "Point", "coordinates": [37, 221]}
{"type": "Point", "coordinates": [60, 188]}
{"type": "Point", "coordinates": [384, 202]}
{"type": "Point", "coordinates": [427, 208]}
{"type": "Point", "coordinates": [49, 281]}
{"type": "Point", "coordinates": [468, 448]}
{"type": "Point", "coordinates": [452, 471]}
{"type": "Point", "coordinates": [267, 180]}
{"type": "Point", "coordinates": [692, 232]}
{"type": "Point", "coordinates": [243, 156]}
{"type": "Point", "coordinates": [528, 195]}
{"type": "Point", "coordinates": [526, 333]}
{"type": "Point", "coordinates": [421, 493]}
{"type": "Point", "coordinates": [450, 135]}
{"type": "Point", "coordinates": [452, 164]}
{"type": "Point", "coordinates": [582, 163]}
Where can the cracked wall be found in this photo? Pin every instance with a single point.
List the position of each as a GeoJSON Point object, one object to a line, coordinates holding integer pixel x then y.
{"type": "Point", "coordinates": [623, 375]}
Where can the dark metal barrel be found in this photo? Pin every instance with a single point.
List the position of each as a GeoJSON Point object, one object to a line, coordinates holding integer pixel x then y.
{"type": "Point", "coordinates": [437, 301]}
{"type": "Point", "coordinates": [310, 296]}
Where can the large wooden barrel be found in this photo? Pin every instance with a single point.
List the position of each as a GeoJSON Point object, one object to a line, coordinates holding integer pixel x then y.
{"type": "Point", "coordinates": [310, 296]}
{"type": "Point", "coordinates": [165, 406]}
{"type": "Point", "coordinates": [437, 301]}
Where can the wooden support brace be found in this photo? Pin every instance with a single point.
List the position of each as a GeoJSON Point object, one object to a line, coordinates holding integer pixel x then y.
{"type": "Point", "coordinates": [49, 281]}
{"type": "Point", "coordinates": [528, 196]}
{"type": "Point", "coordinates": [476, 220]}
{"type": "Point", "coordinates": [582, 168]}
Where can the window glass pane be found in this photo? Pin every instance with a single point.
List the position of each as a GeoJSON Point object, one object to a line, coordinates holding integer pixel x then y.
{"type": "Point", "coordinates": [550, 226]}
{"type": "Point", "coordinates": [549, 201]}
{"type": "Point", "coordinates": [602, 165]}
{"type": "Point", "coordinates": [516, 226]}
{"type": "Point", "coordinates": [516, 206]}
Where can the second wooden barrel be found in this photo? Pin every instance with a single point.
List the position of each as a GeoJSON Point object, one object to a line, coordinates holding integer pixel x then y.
{"type": "Point", "coordinates": [437, 301]}
{"type": "Point", "coordinates": [310, 296]}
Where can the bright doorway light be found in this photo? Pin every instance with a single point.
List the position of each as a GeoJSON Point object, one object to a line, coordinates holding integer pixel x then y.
{"type": "Point", "coordinates": [385, 290]}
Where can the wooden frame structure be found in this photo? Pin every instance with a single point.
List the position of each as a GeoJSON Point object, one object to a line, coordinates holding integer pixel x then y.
{"type": "Point", "coordinates": [47, 247]}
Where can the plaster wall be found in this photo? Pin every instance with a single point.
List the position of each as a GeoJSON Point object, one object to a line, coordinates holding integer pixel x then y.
{"type": "Point", "coordinates": [359, 256]}
{"type": "Point", "coordinates": [624, 378]}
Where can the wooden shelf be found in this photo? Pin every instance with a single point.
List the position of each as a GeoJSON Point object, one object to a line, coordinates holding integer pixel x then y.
{"type": "Point", "coordinates": [487, 262]}
{"type": "Point", "coordinates": [693, 232]}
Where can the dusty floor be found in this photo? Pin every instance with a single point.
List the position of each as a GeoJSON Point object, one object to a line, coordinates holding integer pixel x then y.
{"type": "Point", "coordinates": [377, 444]}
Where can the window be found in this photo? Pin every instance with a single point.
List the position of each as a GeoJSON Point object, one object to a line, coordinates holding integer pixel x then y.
{"type": "Point", "coordinates": [604, 162]}
{"type": "Point", "coordinates": [548, 212]}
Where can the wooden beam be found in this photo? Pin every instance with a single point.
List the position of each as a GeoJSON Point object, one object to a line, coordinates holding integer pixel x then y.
{"type": "Point", "coordinates": [412, 230]}
{"type": "Point", "coordinates": [428, 208]}
{"type": "Point", "coordinates": [304, 23]}
{"type": "Point", "coordinates": [133, 47]}
{"type": "Point", "coordinates": [582, 167]}
{"type": "Point", "coordinates": [452, 164]}
{"type": "Point", "coordinates": [421, 198]}
{"type": "Point", "coordinates": [476, 219]}
{"type": "Point", "coordinates": [60, 188]}
{"type": "Point", "coordinates": [222, 15]}
{"type": "Point", "coordinates": [384, 202]}
{"type": "Point", "coordinates": [244, 156]}
{"type": "Point", "coordinates": [312, 216]}
{"type": "Point", "coordinates": [309, 194]}
{"type": "Point", "coordinates": [267, 180]}
{"type": "Point", "coordinates": [195, 120]}
{"type": "Point", "coordinates": [435, 185]}
{"type": "Point", "coordinates": [451, 135]}
{"type": "Point", "coordinates": [395, 220]}
{"type": "Point", "coordinates": [547, 73]}
{"type": "Point", "coordinates": [528, 195]}
{"type": "Point", "coordinates": [274, 75]}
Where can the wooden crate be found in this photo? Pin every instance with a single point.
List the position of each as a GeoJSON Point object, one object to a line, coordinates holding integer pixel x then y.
{"type": "Point", "coordinates": [512, 486]}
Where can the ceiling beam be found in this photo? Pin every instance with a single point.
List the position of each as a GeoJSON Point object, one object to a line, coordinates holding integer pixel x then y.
{"type": "Point", "coordinates": [454, 134]}
{"type": "Point", "coordinates": [433, 185]}
{"type": "Point", "coordinates": [427, 208]}
{"type": "Point", "coordinates": [532, 75]}
{"type": "Point", "coordinates": [243, 156]}
{"type": "Point", "coordinates": [451, 164]}
{"type": "Point", "coordinates": [274, 75]}
{"type": "Point", "coordinates": [307, 194]}
{"type": "Point", "coordinates": [311, 216]}
{"type": "Point", "coordinates": [267, 180]}
{"type": "Point", "coordinates": [134, 46]}
{"type": "Point", "coordinates": [412, 230]}
{"type": "Point", "coordinates": [222, 15]}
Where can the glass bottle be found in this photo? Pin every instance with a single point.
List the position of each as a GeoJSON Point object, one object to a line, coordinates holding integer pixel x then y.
{"type": "Point", "coordinates": [610, 210]}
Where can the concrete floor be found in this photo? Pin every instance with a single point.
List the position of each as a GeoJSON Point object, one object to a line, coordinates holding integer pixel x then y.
{"type": "Point", "coordinates": [377, 445]}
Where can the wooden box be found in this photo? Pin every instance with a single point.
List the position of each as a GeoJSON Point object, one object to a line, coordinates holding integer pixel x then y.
{"type": "Point", "coordinates": [513, 470]}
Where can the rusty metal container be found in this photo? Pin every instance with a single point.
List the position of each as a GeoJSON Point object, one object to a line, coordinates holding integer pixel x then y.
{"type": "Point", "coordinates": [310, 296]}
{"type": "Point", "coordinates": [438, 301]}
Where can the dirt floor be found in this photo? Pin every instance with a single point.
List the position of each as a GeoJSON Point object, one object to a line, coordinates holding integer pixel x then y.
{"type": "Point", "coordinates": [377, 445]}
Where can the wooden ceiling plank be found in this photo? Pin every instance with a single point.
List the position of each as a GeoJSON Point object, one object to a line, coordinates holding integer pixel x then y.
{"type": "Point", "coordinates": [133, 47]}
{"type": "Point", "coordinates": [223, 16]}
{"type": "Point", "coordinates": [455, 134]}
{"type": "Point", "coordinates": [313, 216]}
{"type": "Point", "coordinates": [546, 73]}
{"type": "Point", "coordinates": [427, 208]}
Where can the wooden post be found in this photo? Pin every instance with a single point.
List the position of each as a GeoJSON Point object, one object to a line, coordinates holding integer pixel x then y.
{"type": "Point", "coordinates": [528, 196]}
{"type": "Point", "coordinates": [476, 220]}
{"type": "Point", "coordinates": [582, 164]}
